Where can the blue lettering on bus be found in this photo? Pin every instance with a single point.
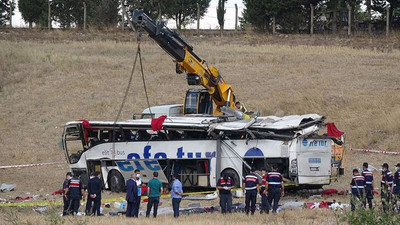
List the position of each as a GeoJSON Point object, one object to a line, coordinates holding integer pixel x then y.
{"type": "Point", "coordinates": [161, 155]}
{"type": "Point", "coordinates": [125, 166]}
{"type": "Point", "coordinates": [150, 163]}
{"type": "Point", "coordinates": [180, 153]}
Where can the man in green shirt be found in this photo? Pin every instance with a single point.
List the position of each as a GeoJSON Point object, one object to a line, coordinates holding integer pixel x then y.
{"type": "Point", "coordinates": [154, 191]}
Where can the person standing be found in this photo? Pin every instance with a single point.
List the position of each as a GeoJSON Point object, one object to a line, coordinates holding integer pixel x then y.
{"type": "Point", "coordinates": [94, 193]}
{"type": "Point", "coordinates": [176, 194]}
{"type": "Point", "coordinates": [263, 191]}
{"type": "Point", "coordinates": [251, 188]}
{"type": "Point", "coordinates": [131, 195]}
{"type": "Point", "coordinates": [386, 186]}
{"type": "Point", "coordinates": [66, 200]}
{"type": "Point", "coordinates": [75, 193]}
{"type": "Point", "coordinates": [139, 195]}
{"type": "Point", "coordinates": [357, 186]}
{"type": "Point", "coordinates": [89, 201]}
{"type": "Point", "coordinates": [154, 190]}
{"type": "Point", "coordinates": [396, 185]}
{"type": "Point", "coordinates": [224, 185]}
{"type": "Point", "coordinates": [369, 185]}
{"type": "Point", "coordinates": [275, 188]}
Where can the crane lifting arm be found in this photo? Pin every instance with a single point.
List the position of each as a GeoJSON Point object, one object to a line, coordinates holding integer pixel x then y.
{"type": "Point", "coordinates": [196, 69]}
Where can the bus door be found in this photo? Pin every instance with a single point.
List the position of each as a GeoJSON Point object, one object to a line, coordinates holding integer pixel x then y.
{"type": "Point", "coordinates": [314, 161]}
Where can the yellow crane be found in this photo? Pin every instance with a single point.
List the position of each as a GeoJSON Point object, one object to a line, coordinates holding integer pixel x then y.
{"type": "Point", "coordinates": [197, 101]}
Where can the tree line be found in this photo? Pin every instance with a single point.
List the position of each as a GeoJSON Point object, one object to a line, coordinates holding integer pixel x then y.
{"type": "Point", "coordinates": [293, 16]}
{"type": "Point", "coordinates": [101, 13]}
{"type": "Point", "coordinates": [288, 16]}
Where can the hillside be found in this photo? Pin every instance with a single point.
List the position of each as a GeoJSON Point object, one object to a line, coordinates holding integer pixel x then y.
{"type": "Point", "coordinates": [49, 79]}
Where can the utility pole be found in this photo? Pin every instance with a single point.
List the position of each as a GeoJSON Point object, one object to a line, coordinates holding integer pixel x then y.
{"type": "Point", "coordinates": [369, 16]}
{"type": "Point", "coordinates": [49, 16]}
{"type": "Point", "coordinates": [236, 17]}
{"type": "Point", "coordinates": [84, 16]}
{"type": "Point", "coordinates": [123, 15]}
{"type": "Point", "coordinates": [387, 20]}
{"type": "Point", "coordinates": [312, 20]}
{"type": "Point", "coordinates": [11, 9]}
{"type": "Point", "coordinates": [273, 25]}
{"type": "Point", "coordinates": [198, 19]}
{"type": "Point", "coordinates": [349, 20]}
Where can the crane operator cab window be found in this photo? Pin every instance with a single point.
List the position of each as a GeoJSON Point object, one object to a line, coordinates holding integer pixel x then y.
{"type": "Point", "coordinates": [198, 102]}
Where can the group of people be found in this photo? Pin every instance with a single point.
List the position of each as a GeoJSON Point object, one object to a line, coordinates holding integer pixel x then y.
{"type": "Point", "coordinates": [362, 187]}
{"type": "Point", "coordinates": [74, 192]}
{"type": "Point", "coordinates": [271, 190]}
{"type": "Point", "coordinates": [154, 191]}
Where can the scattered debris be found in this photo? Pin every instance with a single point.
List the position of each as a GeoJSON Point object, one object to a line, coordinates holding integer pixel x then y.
{"type": "Point", "coordinates": [7, 187]}
{"type": "Point", "coordinates": [58, 192]}
{"type": "Point", "coordinates": [315, 197]}
{"type": "Point", "coordinates": [39, 208]}
{"type": "Point", "coordinates": [329, 192]}
{"type": "Point", "coordinates": [206, 197]}
{"type": "Point", "coordinates": [292, 205]}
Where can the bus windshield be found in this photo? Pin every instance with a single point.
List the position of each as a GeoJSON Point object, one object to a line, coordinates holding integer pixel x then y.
{"type": "Point", "coordinates": [73, 142]}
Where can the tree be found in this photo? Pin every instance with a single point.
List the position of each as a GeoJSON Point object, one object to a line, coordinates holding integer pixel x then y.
{"type": "Point", "coordinates": [32, 10]}
{"type": "Point", "coordinates": [5, 11]}
{"type": "Point", "coordinates": [380, 6]}
{"type": "Point", "coordinates": [103, 13]}
{"type": "Point", "coordinates": [185, 11]}
{"type": "Point", "coordinates": [221, 14]}
{"type": "Point", "coordinates": [255, 14]}
{"type": "Point", "coordinates": [152, 8]}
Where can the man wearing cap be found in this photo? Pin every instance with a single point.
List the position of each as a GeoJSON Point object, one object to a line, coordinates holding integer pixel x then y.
{"type": "Point", "coordinates": [275, 188]}
{"type": "Point", "coordinates": [396, 183]}
{"type": "Point", "coordinates": [66, 201]}
{"type": "Point", "coordinates": [386, 186]}
{"type": "Point", "coordinates": [251, 188]}
{"type": "Point", "coordinates": [224, 185]}
{"type": "Point", "coordinates": [369, 184]}
{"type": "Point", "coordinates": [75, 193]}
{"type": "Point", "coordinates": [357, 186]}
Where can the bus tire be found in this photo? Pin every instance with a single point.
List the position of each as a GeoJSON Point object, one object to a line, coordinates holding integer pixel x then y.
{"type": "Point", "coordinates": [235, 176]}
{"type": "Point", "coordinates": [116, 181]}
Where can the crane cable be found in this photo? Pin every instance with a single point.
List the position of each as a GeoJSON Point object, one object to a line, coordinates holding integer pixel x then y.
{"type": "Point", "coordinates": [138, 54]}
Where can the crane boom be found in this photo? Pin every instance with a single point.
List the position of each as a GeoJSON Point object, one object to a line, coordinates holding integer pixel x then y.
{"type": "Point", "coordinates": [196, 69]}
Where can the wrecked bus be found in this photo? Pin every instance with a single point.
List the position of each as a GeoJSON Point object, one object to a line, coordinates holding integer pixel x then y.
{"type": "Point", "coordinates": [200, 148]}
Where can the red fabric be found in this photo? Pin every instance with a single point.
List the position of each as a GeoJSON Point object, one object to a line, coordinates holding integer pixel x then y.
{"type": "Point", "coordinates": [324, 205]}
{"type": "Point", "coordinates": [156, 123]}
{"type": "Point", "coordinates": [144, 190]}
{"type": "Point", "coordinates": [333, 131]}
{"type": "Point", "coordinates": [86, 128]}
{"type": "Point", "coordinates": [329, 192]}
{"type": "Point", "coordinates": [58, 192]}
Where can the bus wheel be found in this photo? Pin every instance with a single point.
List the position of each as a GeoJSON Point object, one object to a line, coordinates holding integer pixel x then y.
{"type": "Point", "coordinates": [116, 181]}
{"type": "Point", "coordinates": [232, 173]}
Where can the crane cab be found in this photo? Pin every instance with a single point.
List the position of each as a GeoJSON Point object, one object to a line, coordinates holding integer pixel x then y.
{"type": "Point", "coordinates": [198, 101]}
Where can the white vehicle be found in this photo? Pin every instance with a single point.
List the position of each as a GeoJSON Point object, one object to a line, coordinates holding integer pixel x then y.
{"type": "Point", "coordinates": [168, 110]}
{"type": "Point", "coordinates": [200, 148]}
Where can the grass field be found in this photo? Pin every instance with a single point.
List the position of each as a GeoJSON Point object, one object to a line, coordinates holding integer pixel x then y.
{"type": "Point", "coordinates": [47, 82]}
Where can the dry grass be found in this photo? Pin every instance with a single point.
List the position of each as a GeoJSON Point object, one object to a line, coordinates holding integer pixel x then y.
{"type": "Point", "coordinates": [45, 84]}
{"type": "Point", "coordinates": [323, 217]}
